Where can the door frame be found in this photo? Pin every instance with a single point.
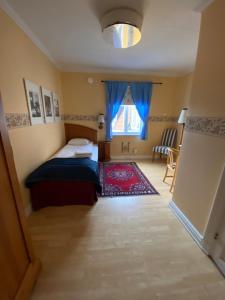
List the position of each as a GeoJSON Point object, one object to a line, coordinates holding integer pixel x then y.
{"type": "Point", "coordinates": [215, 217]}
{"type": "Point", "coordinates": [34, 266]}
{"type": "Point", "coordinates": [14, 181]}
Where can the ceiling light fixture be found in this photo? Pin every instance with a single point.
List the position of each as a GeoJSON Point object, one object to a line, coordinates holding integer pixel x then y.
{"type": "Point", "coordinates": [122, 27]}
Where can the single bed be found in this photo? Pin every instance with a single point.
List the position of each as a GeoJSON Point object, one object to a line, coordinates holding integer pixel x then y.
{"type": "Point", "coordinates": [65, 180]}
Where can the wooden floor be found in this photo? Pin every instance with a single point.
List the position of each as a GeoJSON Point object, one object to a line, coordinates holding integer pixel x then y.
{"type": "Point", "coordinates": [122, 248]}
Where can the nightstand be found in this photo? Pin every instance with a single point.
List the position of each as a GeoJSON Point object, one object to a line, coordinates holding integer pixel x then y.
{"type": "Point", "coordinates": [104, 151]}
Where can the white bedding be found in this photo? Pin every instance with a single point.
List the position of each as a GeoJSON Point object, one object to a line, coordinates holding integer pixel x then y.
{"type": "Point", "coordinates": [70, 150]}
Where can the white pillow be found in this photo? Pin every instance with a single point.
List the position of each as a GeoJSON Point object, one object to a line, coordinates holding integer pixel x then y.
{"type": "Point", "coordinates": [79, 142]}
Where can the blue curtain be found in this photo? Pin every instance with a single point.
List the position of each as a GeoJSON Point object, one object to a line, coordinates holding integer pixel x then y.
{"type": "Point", "coordinates": [115, 92]}
{"type": "Point", "coordinates": [141, 94]}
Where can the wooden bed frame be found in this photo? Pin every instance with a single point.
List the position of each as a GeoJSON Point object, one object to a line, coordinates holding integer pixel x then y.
{"type": "Point", "coordinates": [59, 193]}
{"type": "Point", "coordinates": [79, 131]}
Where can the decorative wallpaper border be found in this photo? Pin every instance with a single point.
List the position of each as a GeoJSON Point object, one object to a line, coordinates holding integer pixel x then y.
{"type": "Point", "coordinates": [93, 118]}
{"type": "Point", "coordinates": [17, 120]}
{"type": "Point", "coordinates": [72, 117]}
{"type": "Point", "coordinates": [213, 126]}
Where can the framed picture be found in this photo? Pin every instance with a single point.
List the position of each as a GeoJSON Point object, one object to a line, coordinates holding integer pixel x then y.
{"type": "Point", "coordinates": [34, 101]}
{"type": "Point", "coordinates": [56, 110]}
{"type": "Point", "coordinates": [48, 105]}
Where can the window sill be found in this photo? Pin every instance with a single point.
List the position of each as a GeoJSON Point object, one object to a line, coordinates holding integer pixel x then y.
{"type": "Point", "coordinates": [126, 134]}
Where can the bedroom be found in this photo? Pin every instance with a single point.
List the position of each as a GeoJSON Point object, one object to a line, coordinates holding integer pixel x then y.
{"type": "Point", "coordinates": [26, 52]}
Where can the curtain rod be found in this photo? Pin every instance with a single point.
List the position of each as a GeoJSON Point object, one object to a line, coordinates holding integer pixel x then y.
{"type": "Point", "coordinates": [130, 82]}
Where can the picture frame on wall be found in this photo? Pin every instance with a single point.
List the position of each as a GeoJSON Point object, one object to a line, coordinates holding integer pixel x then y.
{"type": "Point", "coordinates": [56, 107]}
{"type": "Point", "coordinates": [47, 105]}
{"type": "Point", "coordinates": [34, 101]}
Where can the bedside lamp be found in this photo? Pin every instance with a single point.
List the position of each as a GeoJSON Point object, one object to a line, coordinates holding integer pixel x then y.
{"type": "Point", "coordinates": [182, 120]}
{"type": "Point", "coordinates": [101, 121]}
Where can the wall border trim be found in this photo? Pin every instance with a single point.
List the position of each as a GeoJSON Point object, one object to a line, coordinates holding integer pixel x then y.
{"type": "Point", "coordinates": [211, 126]}
{"type": "Point", "coordinates": [194, 233]}
{"type": "Point", "coordinates": [83, 117]}
{"type": "Point", "coordinates": [73, 117]}
{"type": "Point", "coordinates": [18, 120]}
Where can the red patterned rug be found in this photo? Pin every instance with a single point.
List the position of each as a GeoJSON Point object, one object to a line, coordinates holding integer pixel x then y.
{"type": "Point", "coordinates": [124, 179]}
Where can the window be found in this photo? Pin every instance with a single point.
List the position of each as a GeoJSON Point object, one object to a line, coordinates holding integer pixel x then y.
{"type": "Point", "coordinates": [127, 121]}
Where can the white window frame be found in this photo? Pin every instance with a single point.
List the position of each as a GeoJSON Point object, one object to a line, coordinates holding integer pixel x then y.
{"type": "Point", "coordinates": [126, 132]}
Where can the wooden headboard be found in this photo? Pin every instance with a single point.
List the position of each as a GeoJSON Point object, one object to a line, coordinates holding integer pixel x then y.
{"type": "Point", "coordinates": [79, 131]}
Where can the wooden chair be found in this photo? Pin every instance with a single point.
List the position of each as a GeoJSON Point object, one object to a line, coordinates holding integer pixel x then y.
{"type": "Point", "coordinates": [172, 157]}
{"type": "Point", "coordinates": [168, 140]}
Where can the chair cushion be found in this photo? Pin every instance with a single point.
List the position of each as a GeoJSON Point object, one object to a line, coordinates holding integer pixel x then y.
{"type": "Point", "coordinates": [160, 149]}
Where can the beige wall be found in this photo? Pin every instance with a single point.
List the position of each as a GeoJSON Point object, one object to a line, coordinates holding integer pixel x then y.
{"type": "Point", "coordinates": [183, 94]}
{"type": "Point", "coordinates": [82, 98]}
{"type": "Point", "coordinates": [203, 156]}
{"type": "Point", "coordinates": [20, 58]}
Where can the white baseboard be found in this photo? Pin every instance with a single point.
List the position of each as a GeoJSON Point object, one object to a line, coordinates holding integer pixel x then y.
{"type": "Point", "coordinates": [194, 233]}
{"type": "Point", "coordinates": [121, 157]}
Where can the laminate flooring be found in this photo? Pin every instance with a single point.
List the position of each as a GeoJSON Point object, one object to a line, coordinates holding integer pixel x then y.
{"type": "Point", "coordinates": [123, 248]}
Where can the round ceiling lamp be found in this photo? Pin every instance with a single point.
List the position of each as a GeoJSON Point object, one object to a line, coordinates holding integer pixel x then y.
{"type": "Point", "coordinates": [122, 27]}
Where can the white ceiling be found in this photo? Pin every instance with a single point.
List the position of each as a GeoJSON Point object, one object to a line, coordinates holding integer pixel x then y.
{"type": "Point", "coordinates": [70, 33]}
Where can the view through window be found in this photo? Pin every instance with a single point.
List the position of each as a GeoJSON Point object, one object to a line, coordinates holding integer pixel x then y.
{"type": "Point", "coordinates": [127, 121]}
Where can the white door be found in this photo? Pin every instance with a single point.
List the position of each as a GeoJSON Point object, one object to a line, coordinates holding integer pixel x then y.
{"type": "Point", "coordinates": [214, 237]}
{"type": "Point", "coordinates": [218, 251]}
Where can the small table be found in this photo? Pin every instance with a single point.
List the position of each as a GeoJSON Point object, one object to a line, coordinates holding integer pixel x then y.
{"type": "Point", "coordinates": [104, 150]}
